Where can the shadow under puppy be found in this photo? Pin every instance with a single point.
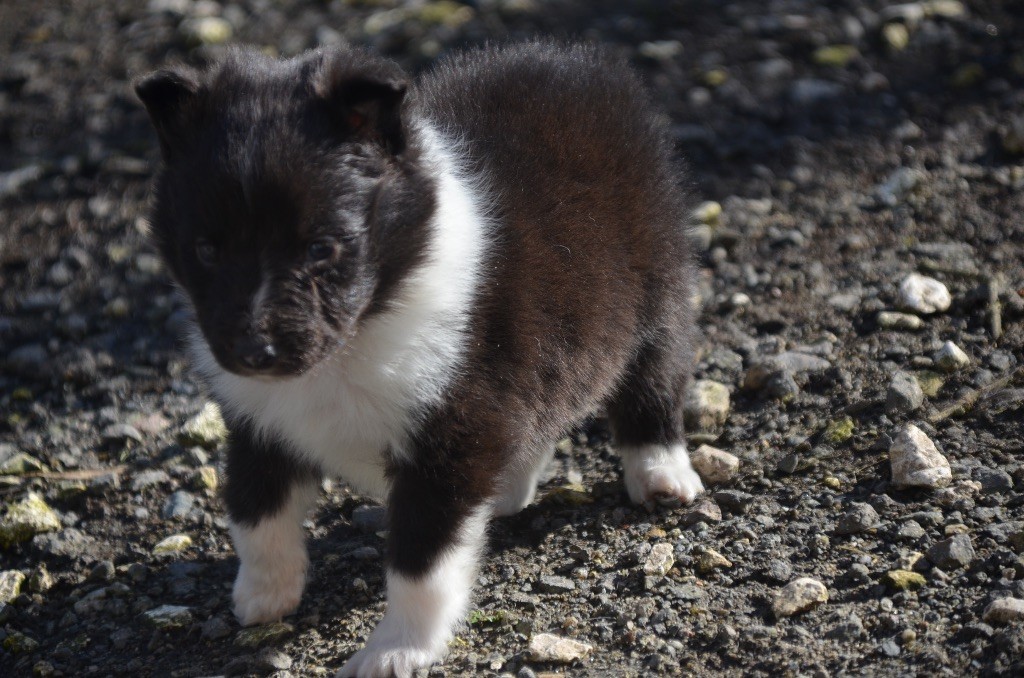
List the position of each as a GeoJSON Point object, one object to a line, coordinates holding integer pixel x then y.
{"type": "Point", "coordinates": [420, 286]}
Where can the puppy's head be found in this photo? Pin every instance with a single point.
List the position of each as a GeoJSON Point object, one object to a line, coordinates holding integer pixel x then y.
{"type": "Point", "coordinates": [289, 201]}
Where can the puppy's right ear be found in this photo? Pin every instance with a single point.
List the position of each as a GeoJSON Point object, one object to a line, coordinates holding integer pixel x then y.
{"type": "Point", "coordinates": [169, 96]}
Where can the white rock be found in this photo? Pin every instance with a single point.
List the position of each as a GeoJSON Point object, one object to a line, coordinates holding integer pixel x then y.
{"type": "Point", "coordinates": [10, 585]}
{"type": "Point", "coordinates": [172, 544]}
{"type": "Point", "coordinates": [798, 596]}
{"type": "Point", "coordinates": [547, 647]}
{"type": "Point", "coordinates": [706, 406]}
{"type": "Point", "coordinates": [169, 617]}
{"type": "Point", "coordinates": [951, 357]}
{"type": "Point", "coordinates": [921, 294]}
{"type": "Point", "coordinates": [901, 182]}
{"type": "Point", "coordinates": [661, 50]}
{"type": "Point", "coordinates": [660, 560]}
{"type": "Point", "coordinates": [916, 462]}
{"type": "Point", "coordinates": [707, 212]}
{"type": "Point", "coordinates": [1004, 611]}
{"type": "Point", "coordinates": [714, 465]}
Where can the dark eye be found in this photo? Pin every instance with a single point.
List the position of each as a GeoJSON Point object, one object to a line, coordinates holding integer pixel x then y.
{"type": "Point", "coordinates": [206, 251]}
{"type": "Point", "coordinates": [321, 249]}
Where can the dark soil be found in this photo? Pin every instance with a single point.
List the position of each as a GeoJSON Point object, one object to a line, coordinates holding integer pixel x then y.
{"type": "Point", "coordinates": [796, 144]}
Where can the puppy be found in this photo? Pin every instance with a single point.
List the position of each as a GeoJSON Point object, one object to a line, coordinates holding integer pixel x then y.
{"type": "Point", "coordinates": [420, 286]}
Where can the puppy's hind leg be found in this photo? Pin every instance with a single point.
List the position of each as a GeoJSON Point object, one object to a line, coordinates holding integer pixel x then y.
{"type": "Point", "coordinates": [646, 415]}
{"type": "Point", "coordinates": [268, 495]}
{"type": "Point", "coordinates": [519, 482]}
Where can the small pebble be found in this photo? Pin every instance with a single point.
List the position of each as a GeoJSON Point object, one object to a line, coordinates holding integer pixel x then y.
{"type": "Point", "coordinates": [660, 560]}
{"type": "Point", "coordinates": [916, 462]}
{"type": "Point", "coordinates": [799, 596]}
{"type": "Point", "coordinates": [921, 294]}
{"type": "Point", "coordinates": [892, 320]}
{"type": "Point", "coordinates": [951, 358]}
{"type": "Point", "coordinates": [858, 518]}
{"type": "Point", "coordinates": [714, 465]}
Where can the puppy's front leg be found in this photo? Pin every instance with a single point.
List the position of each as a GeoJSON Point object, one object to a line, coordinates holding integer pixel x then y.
{"type": "Point", "coordinates": [268, 494]}
{"type": "Point", "coordinates": [438, 525]}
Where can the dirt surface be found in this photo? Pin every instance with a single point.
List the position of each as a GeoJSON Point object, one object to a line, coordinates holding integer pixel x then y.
{"type": "Point", "coordinates": [848, 145]}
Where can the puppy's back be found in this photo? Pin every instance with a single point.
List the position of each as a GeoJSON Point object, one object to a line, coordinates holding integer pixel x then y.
{"type": "Point", "coordinates": [588, 258]}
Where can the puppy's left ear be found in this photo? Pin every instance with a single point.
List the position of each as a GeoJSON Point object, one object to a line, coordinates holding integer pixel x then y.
{"type": "Point", "coordinates": [364, 96]}
{"type": "Point", "coordinates": [169, 96]}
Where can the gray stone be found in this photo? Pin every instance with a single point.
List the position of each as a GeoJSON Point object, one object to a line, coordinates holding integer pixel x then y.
{"type": "Point", "coordinates": [778, 570]}
{"type": "Point", "coordinates": [178, 505]}
{"type": "Point", "coordinates": [858, 518]}
{"type": "Point", "coordinates": [734, 501]}
{"type": "Point", "coordinates": [119, 433]}
{"type": "Point", "coordinates": [1004, 611]}
{"type": "Point", "coordinates": [102, 571]}
{"type": "Point", "coordinates": [844, 301]}
{"type": "Point", "coordinates": [904, 394]}
{"type": "Point", "coordinates": [953, 553]}
{"type": "Point", "coordinates": [807, 91]}
{"type": "Point", "coordinates": [898, 185]}
{"type": "Point", "coordinates": [11, 182]}
{"type": "Point", "coordinates": [69, 543]}
{"type": "Point", "coordinates": [790, 362]}
{"type": "Point", "coordinates": [911, 530]}
{"type": "Point", "coordinates": [848, 629]}
{"type": "Point", "coordinates": [550, 583]}
{"type": "Point", "coordinates": [704, 510]}
{"type": "Point", "coordinates": [149, 478]}
{"type": "Point", "coordinates": [993, 479]}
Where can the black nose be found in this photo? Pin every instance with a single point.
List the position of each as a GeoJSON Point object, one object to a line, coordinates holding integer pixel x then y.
{"type": "Point", "coordinates": [256, 353]}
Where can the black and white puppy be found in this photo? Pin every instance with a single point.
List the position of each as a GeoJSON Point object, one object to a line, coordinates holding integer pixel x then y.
{"type": "Point", "coordinates": [420, 286]}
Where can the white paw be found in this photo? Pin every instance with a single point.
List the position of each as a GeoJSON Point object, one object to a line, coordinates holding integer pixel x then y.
{"type": "Point", "coordinates": [660, 474]}
{"type": "Point", "coordinates": [267, 593]}
{"type": "Point", "coordinates": [393, 652]}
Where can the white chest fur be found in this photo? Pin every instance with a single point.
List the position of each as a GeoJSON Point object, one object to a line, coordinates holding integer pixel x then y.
{"type": "Point", "coordinates": [346, 412]}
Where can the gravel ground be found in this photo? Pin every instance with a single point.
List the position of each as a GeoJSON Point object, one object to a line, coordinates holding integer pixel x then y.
{"type": "Point", "coordinates": [842, 147]}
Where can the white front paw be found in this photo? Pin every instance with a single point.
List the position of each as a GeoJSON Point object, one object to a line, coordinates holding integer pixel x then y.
{"type": "Point", "coordinates": [660, 474]}
{"type": "Point", "coordinates": [397, 647]}
{"type": "Point", "coordinates": [395, 662]}
{"type": "Point", "coordinates": [267, 593]}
